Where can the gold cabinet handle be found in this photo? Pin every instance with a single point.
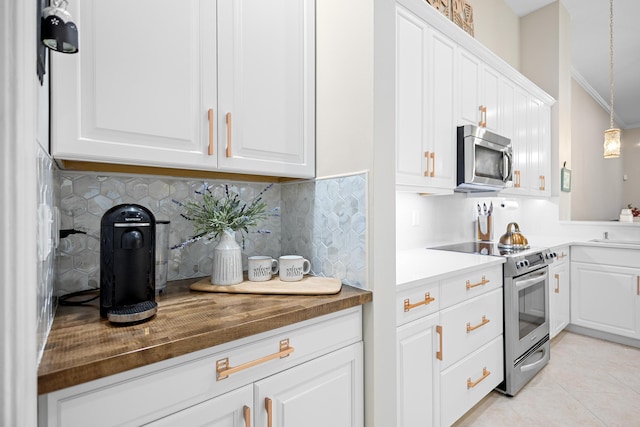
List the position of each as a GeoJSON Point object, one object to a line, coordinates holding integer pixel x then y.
{"type": "Point", "coordinates": [428, 299]}
{"type": "Point", "coordinates": [485, 374]}
{"type": "Point", "coordinates": [483, 282]}
{"type": "Point", "coordinates": [517, 176]}
{"type": "Point", "coordinates": [246, 412]}
{"type": "Point", "coordinates": [482, 323]}
{"type": "Point", "coordinates": [562, 255]}
{"type": "Point", "coordinates": [557, 289]}
{"type": "Point", "coordinates": [426, 156]}
{"type": "Point", "coordinates": [542, 183]}
{"type": "Point", "coordinates": [268, 405]}
{"type": "Point", "coordinates": [483, 116]}
{"type": "Point", "coordinates": [229, 150]}
{"type": "Point", "coordinates": [211, 131]}
{"type": "Point", "coordinates": [223, 370]}
{"type": "Point", "coordinates": [433, 164]}
{"type": "Point", "coordinates": [439, 332]}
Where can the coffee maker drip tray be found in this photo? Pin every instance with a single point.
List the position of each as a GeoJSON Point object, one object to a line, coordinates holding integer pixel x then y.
{"type": "Point", "coordinates": [132, 313]}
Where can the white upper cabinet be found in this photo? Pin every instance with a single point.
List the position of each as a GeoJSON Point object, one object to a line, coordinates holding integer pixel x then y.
{"type": "Point", "coordinates": [479, 96]}
{"type": "Point", "coordinates": [425, 105]}
{"type": "Point", "coordinates": [226, 86]}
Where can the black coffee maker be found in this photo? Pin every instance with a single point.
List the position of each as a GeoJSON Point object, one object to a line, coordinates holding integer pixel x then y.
{"type": "Point", "coordinates": [127, 264]}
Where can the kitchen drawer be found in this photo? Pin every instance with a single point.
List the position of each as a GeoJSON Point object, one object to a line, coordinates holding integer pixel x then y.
{"type": "Point", "coordinates": [469, 325]}
{"type": "Point", "coordinates": [143, 395]}
{"type": "Point", "coordinates": [469, 285]}
{"type": "Point", "coordinates": [417, 302]}
{"type": "Point", "coordinates": [468, 381]}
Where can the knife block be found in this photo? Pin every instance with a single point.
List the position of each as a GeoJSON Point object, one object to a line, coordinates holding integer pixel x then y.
{"type": "Point", "coordinates": [485, 228]}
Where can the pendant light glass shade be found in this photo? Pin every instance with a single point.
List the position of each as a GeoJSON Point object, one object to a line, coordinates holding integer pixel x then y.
{"type": "Point", "coordinates": [611, 135]}
{"type": "Point", "coordinates": [611, 143]}
{"type": "Point", "coordinates": [59, 33]}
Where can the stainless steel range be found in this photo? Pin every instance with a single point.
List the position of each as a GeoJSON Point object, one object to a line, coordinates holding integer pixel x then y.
{"type": "Point", "coordinates": [526, 309]}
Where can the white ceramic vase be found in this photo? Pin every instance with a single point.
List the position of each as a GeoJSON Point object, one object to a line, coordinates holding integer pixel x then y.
{"type": "Point", "coordinates": [227, 260]}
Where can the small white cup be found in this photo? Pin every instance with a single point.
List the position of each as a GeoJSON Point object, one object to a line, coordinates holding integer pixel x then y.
{"type": "Point", "coordinates": [261, 268]}
{"type": "Point", "coordinates": [293, 267]}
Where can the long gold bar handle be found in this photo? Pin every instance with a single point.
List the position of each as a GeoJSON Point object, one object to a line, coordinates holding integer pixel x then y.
{"type": "Point", "coordinates": [428, 299]}
{"type": "Point", "coordinates": [211, 133]}
{"type": "Point", "coordinates": [485, 374]}
{"type": "Point", "coordinates": [439, 332]}
{"type": "Point", "coordinates": [229, 150]}
{"type": "Point", "coordinates": [483, 282]}
{"type": "Point", "coordinates": [223, 370]}
{"type": "Point", "coordinates": [246, 412]}
{"type": "Point", "coordinates": [268, 405]}
{"type": "Point", "coordinates": [482, 323]}
{"type": "Point", "coordinates": [517, 175]}
{"type": "Point", "coordinates": [557, 289]}
{"type": "Point", "coordinates": [426, 156]}
{"type": "Point", "coordinates": [542, 183]}
{"type": "Point", "coordinates": [562, 255]}
{"type": "Point", "coordinates": [433, 164]}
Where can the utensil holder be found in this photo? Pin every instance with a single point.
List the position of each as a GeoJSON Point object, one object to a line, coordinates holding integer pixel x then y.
{"type": "Point", "coordinates": [485, 228]}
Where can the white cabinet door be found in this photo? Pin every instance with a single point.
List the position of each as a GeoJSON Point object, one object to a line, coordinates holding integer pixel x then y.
{"type": "Point", "coordinates": [425, 105]}
{"type": "Point", "coordinates": [606, 298]}
{"type": "Point", "coordinates": [234, 409]}
{"type": "Point", "coordinates": [479, 93]}
{"type": "Point", "coordinates": [559, 293]}
{"type": "Point", "coordinates": [418, 374]}
{"type": "Point", "coordinates": [327, 391]}
{"type": "Point", "coordinates": [266, 87]}
{"type": "Point", "coordinates": [133, 93]}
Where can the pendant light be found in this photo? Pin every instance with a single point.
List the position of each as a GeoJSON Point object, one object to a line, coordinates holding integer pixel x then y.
{"type": "Point", "coordinates": [611, 135]}
{"type": "Point", "coordinates": [59, 33]}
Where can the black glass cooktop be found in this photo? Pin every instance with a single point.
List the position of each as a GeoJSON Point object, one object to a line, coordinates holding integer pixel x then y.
{"type": "Point", "coordinates": [481, 248]}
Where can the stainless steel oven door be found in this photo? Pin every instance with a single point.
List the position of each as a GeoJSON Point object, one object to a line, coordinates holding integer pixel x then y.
{"type": "Point", "coordinates": [532, 308]}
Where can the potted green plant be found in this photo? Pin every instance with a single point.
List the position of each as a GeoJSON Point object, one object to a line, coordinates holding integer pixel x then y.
{"type": "Point", "coordinates": [221, 218]}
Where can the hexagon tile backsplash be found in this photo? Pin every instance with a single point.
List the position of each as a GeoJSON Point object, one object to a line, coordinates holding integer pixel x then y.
{"type": "Point", "coordinates": [325, 220]}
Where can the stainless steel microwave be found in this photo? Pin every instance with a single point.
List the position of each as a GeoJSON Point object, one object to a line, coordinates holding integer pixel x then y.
{"type": "Point", "coordinates": [484, 160]}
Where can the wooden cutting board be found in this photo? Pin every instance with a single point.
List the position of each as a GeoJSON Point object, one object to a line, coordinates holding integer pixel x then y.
{"type": "Point", "coordinates": [309, 285]}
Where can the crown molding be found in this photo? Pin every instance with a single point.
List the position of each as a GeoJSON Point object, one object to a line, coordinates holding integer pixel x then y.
{"type": "Point", "coordinates": [596, 97]}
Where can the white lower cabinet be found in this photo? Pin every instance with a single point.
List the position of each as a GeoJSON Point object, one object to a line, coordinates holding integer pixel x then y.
{"type": "Point", "coordinates": [306, 374]}
{"type": "Point", "coordinates": [605, 290]}
{"type": "Point", "coordinates": [559, 292]}
{"type": "Point", "coordinates": [449, 346]}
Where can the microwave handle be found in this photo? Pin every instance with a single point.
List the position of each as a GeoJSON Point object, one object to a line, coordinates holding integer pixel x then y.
{"type": "Point", "coordinates": [507, 165]}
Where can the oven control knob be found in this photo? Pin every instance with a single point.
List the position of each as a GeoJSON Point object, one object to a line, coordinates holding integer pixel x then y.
{"type": "Point", "coordinates": [523, 263]}
{"type": "Point", "coordinates": [551, 255]}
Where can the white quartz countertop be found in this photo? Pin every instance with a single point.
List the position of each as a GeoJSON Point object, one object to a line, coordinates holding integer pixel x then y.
{"type": "Point", "coordinates": [554, 242]}
{"type": "Point", "coordinates": [418, 265]}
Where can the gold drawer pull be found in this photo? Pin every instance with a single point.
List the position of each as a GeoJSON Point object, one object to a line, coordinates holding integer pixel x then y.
{"type": "Point", "coordinates": [223, 370]}
{"type": "Point", "coordinates": [473, 328]}
{"type": "Point", "coordinates": [517, 176]}
{"type": "Point", "coordinates": [483, 282]}
{"type": "Point", "coordinates": [543, 183]}
{"type": "Point", "coordinates": [229, 149]}
{"type": "Point", "coordinates": [211, 131]}
{"type": "Point", "coordinates": [246, 413]}
{"type": "Point", "coordinates": [557, 289]}
{"type": "Point", "coordinates": [268, 406]}
{"type": "Point", "coordinates": [485, 374]}
{"type": "Point", "coordinates": [428, 299]}
{"type": "Point", "coordinates": [432, 156]}
{"type": "Point", "coordinates": [562, 255]}
{"type": "Point", "coordinates": [439, 332]}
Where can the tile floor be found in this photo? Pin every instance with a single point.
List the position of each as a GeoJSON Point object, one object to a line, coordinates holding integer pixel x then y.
{"type": "Point", "coordinates": [588, 382]}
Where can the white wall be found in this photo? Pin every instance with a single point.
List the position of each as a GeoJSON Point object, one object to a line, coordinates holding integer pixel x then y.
{"type": "Point", "coordinates": [631, 166]}
{"type": "Point", "coordinates": [596, 189]}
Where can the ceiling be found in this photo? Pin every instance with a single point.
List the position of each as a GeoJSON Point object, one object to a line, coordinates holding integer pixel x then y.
{"type": "Point", "coordinates": [590, 50]}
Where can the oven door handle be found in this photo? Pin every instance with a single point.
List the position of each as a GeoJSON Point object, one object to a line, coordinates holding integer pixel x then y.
{"type": "Point", "coordinates": [534, 365]}
{"type": "Point", "coordinates": [539, 277]}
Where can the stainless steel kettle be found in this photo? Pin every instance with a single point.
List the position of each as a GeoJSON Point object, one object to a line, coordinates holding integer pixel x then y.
{"type": "Point", "coordinates": [513, 238]}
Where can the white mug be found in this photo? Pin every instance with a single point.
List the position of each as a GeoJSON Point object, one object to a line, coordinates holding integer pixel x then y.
{"type": "Point", "coordinates": [293, 268]}
{"type": "Point", "coordinates": [261, 268]}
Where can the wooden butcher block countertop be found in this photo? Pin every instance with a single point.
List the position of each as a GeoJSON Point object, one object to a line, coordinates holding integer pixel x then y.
{"type": "Point", "coordinates": [82, 347]}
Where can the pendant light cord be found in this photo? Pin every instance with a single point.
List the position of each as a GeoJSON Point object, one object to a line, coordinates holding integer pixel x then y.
{"type": "Point", "coordinates": [611, 61]}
